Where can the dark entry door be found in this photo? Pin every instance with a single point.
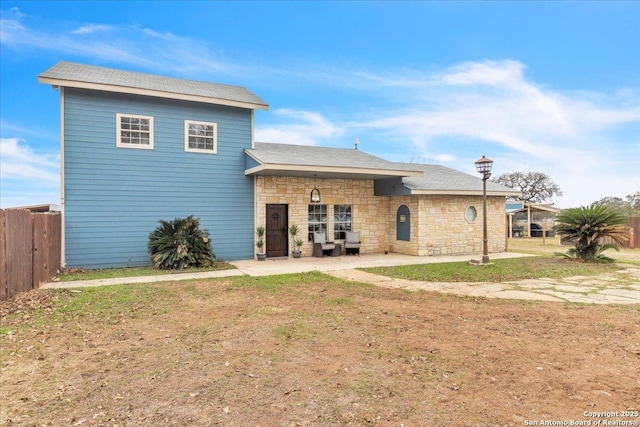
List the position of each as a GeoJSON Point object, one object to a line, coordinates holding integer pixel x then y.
{"type": "Point", "coordinates": [277, 230]}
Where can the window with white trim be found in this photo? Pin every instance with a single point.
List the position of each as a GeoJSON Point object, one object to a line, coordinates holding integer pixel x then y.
{"type": "Point", "coordinates": [341, 221]}
{"type": "Point", "coordinates": [134, 131]}
{"type": "Point", "coordinates": [200, 137]}
{"type": "Point", "coordinates": [317, 220]}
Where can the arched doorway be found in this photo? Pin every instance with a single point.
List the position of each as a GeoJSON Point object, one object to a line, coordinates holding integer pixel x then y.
{"type": "Point", "coordinates": [403, 223]}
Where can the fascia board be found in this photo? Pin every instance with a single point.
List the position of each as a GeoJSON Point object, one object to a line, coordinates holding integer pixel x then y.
{"type": "Point", "coordinates": [249, 153]}
{"type": "Point", "coordinates": [254, 170]}
{"type": "Point", "coordinates": [331, 169]}
{"type": "Point", "coordinates": [463, 193]}
{"type": "Point", "coordinates": [150, 92]}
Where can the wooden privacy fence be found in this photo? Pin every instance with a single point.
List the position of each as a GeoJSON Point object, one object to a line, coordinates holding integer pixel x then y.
{"type": "Point", "coordinates": [634, 235]}
{"type": "Point", "coordinates": [30, 247]}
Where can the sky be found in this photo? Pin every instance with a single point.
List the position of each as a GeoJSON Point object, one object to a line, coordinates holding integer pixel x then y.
{"type": "Point", "coordinates": [550, 87]}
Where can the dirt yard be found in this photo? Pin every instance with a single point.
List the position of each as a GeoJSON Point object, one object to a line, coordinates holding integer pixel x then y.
{"type": "Point", "coordinates": [311, 350]}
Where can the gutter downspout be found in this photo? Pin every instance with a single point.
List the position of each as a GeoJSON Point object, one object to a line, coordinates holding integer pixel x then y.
{"type": "Point", "coordinates": [63, 261]}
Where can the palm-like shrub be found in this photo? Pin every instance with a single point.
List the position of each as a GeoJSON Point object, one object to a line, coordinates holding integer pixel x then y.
{"type": "Point", "coordinates": [180, 244]}
{"type": "Point", "coordinates": [584, 226]}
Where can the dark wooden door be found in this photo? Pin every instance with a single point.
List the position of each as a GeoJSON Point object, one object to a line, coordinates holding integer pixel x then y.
{"type": "Point", "coordinates": [277, 230]}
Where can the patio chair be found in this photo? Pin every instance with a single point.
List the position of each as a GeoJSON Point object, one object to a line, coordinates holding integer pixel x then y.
{"type": "Point", "coordinates": [352, 243]}
{"type": "Point", "coordinates": [320, 245]}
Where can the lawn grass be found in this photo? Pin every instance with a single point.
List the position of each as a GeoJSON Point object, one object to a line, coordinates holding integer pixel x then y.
{"type": "Point", "coordinates": [546, 264]}
{"type": "Point", "coordinates": [110, 273]}
{"type": "Point", "coordinates": [499, 271]}
{"type": "Point", "coordinates": [549, 247]}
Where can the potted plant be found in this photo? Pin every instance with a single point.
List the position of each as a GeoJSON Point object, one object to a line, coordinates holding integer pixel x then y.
{"type": "Point", "coordinates": [260, 243]}
{"type": "Point", "coordinates": [298, 251]}
{"type": "Point", "coordinates": [294, 230]}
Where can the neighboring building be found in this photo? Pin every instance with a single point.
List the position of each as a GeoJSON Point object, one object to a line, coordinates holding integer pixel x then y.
{"type": "Point", "coordinates": [137, 148]}
{"type": "Point", "coordinates": [540, 218]}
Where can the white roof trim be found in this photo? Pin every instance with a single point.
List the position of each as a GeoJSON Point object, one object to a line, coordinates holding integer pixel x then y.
{"type": "Point", "coordinates": [329, 170]}
{"type": "Point", "coordinates": [464, 193]}
{"type": "Point", "coordinates": [149, 92]}
{"type": "Point", "coordinates": [536, 207]}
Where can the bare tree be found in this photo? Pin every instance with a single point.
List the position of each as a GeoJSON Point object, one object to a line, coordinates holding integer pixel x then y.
{"type": "Point", "coordinates": [536, 187]}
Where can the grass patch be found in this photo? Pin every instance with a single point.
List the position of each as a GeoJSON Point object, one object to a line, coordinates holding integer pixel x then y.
{"type": "Point", "coordinates": [110, 273]}
{"type": "Point", "coordinates": [551, 246]}
{"type": "Point", "coordinates": [277, 283]}
{"type": "Point", "coordinates": [111, 302]}
{"type": "Point", "coordinates": [339, 301]}
{"type": "Point", "coordinates": [293, 331]}
{"type": "Point", "coordinates": [502, 270]}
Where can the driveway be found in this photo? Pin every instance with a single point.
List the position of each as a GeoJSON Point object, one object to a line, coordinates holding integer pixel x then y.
{"type": "Point", "coordinates": [604, 289]}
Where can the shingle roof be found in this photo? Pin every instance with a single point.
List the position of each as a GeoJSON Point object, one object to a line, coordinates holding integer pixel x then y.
{"type": "Point", "coordinates": [323, 162]}
{"type": "Point", "coordinates": [441, 179]}
{"type": "Point", "coordinates": [327, 162]}
{"type": "Point", "coordinates": [71, 74]}
{"type": "Point", "coordinates": [304, 155]}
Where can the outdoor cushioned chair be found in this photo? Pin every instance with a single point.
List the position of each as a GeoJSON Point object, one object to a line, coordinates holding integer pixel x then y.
{"type": "Point", "coordinates": [352, 243]}
{"type": "Point", "coordinates": [320, 244]}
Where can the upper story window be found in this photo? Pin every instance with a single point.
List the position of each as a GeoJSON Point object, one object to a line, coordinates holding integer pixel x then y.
{"type": "Point", "coordinates": [134, 131]}
{"type": "Point", "coordinates": [200, 137]}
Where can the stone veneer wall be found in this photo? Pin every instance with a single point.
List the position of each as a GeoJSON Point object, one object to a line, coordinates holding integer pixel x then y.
{"type": "Point", "coordinates": [439, 226]}
{"type": "Point", "coordinates": [412, 246]}
{"type": "Point", "coordinates": [369, 212]}
{"type": "Point", "coordinates": [438, 223]}
{"type": "Point", "coordinates": [446, 231]}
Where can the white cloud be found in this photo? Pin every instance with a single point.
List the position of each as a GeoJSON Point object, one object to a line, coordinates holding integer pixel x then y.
{"type": "Point", "coordinates": [443, 158]}
{"type": "Point", "coordinates": [91, 28]}
{"type": "Point", "coordinates": [129, 44]}
{"type": "Point", "coordinates": [584, 140]}
{"type": "Point", "coordinates": [28, 177]}
{"type": "Point", "coordinates": [302, 128]}
{"type": "Point", "coordinates": [498, 74]}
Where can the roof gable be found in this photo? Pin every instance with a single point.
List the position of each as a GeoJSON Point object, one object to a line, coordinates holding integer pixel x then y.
{"type": "Point", "coordinates": [69, 74]}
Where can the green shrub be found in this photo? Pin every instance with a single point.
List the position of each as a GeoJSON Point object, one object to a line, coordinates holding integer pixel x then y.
{"type": "Point", "coordinates": [180, 244]}
{"type": "Point", "coordinates": [584, 227]}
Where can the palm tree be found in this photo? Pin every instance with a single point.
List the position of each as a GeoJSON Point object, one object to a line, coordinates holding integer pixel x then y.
{"type": "Point", "coordinates": [180, 244]}
{"type": "Point", "coordinates": [584, 226]}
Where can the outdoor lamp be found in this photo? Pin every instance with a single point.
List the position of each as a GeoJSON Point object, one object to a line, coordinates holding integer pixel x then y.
{"type": "Point", "coordinates": [315, 193]}
{"type": "Point", "coordinates": [483, 166]}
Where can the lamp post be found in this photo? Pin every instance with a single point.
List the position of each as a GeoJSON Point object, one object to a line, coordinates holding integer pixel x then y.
{"type": "Point", "coordinates": [483, 166]}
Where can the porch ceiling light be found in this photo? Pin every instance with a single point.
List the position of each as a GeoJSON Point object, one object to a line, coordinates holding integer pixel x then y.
{"type": "Point", "coordinates": [315, 193]}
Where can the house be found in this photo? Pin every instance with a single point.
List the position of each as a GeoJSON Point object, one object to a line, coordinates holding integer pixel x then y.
{"type": "Point", "coordinates": [397, 207]}
{"type": "Point", "coordinates": [137, 148]}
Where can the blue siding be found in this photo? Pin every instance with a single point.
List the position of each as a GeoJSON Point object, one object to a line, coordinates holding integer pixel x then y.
{"type": "Point", "coordinates": [250, 163]}
{"type": "Point", "coordinates": [114, 197]}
